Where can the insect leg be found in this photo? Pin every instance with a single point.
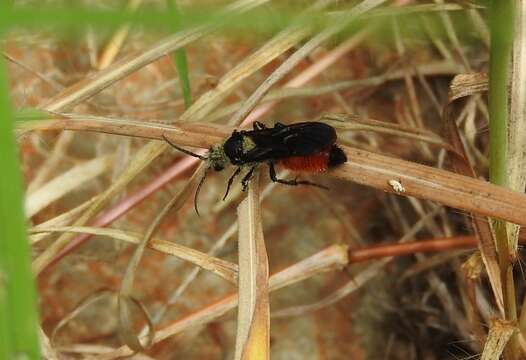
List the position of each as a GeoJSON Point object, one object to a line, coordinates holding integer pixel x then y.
{"type": "Point", "coordinates": [247, 177]}
{"type": "Point", "coordinates": [273, 177]}
{"type": "Point", "coordinates": [279, 125]}
{"type": "Point", "coordinates": [236, 173]}
{"type": "Point", "coordinates": [259, 125]}
{"type": "Point", "coordinates": [183, 150]}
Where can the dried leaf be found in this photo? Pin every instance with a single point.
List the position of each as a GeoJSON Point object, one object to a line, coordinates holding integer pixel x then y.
{"type": "Point", "coordinates": [464, 85]}
{"type": "Point", "coordinates": [500, 333]}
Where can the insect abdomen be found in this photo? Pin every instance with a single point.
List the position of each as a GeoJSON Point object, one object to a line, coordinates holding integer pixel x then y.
{"type": "Point", "coordinates": [318, 162]}
{"type": "Point", "coordinates": [312, 163]}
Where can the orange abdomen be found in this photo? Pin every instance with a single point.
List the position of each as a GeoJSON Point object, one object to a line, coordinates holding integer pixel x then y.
{"type": "Point", "coordinates": [312, 163]}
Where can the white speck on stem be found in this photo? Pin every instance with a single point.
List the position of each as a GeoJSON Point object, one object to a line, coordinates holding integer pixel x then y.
{"type": "Point", "coordinates": [397, 186]}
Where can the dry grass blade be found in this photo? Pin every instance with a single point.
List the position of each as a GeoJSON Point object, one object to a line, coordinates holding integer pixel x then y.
{"type": "Point", "coordinates": [356, 123]}
{"type": "Point", "coordinates": [161, 147]}
{"type": "Point", "coordinates": [218, 245]}
{"type": "Point", "coordinates": [126, 204]}
{"type": "Point", "coordinates": [480, 26]}
{"type": "Point", "coordinates": [61, 220]}
{"type": "Point", "coordinates": [125, 292]}
{"type": "Point", "coordinates": [198, 135]}
{"type": "Point", "coordinates": [518, 119]}
{"type": "Point", "coordinates": [125, 304]}
{"type": "Point", "coordinates": [47, 79]}
{"type": "Point", "coordinates": [331, 258]}
{"type": "Point", "coordinates": [81, 306]}
{"type": "Point", "coordinates": [143, 157]}
{"type": "Point", "coordinates": [359, 280]}
{"type": "Point", "coordinates": [438, 68]}
{"type": "Point", "coordinates": [452, 35]}
{"type": "Point", "coordinates": [352, 285]}
{"type": "Point", "coordinates": [517, 114]}
{"type": "Point", "coordinates": [372, 252]}
{"type": "Point", "coordinates": [462, 86]}
{"type": "Point", "coordinates": [65, 183]}
{"type": "Point", "coordinates": [85, 89]}
{"type": "Point", "coordinates": [348, 54]}
{"type": "Point", "coordinates": [222, 268]}
{"type": "Point", "coordinates": [48, 352]}
{"type": "Point", "coordinates": [424, 182]}
{"type": "Point", "coordinates": [122, 126]}
{"type": "Point", "coordinates": [51, 163]}
{"type": "Point", "coordinates": [114, 45]}
{"type": "Point", "coordinates": [471, 271]}
{"type": "Point", "coordinates": [340, 23]}
{"type": "Point", "coordinates": [253, 319]}
{"type": "Point", "coordinates": [505, 75]}
{"type": "Point", "coordinates": [252, 63]}
{"type": "Point", "coordinates": [500, 333]}
{"type": "Point", "coordinates": [89, 351]}
{"type": "Point", "coordinates": [414, 116]}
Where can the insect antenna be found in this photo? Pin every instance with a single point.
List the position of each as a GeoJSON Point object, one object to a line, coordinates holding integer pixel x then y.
{"type": "Point", "coordinates": [187, 152]}
{"type": "Point", "coordinates": [198, 190]}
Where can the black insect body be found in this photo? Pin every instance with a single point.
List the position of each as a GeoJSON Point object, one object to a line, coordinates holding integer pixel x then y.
{"type": "Point", "coordinates": [306, 146]}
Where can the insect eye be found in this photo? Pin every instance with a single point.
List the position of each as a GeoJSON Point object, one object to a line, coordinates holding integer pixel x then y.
{"type": "Point", "coordinates": [218, 167]}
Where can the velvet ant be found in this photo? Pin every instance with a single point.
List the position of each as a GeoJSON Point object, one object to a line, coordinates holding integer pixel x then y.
{"type": "Point", "coordinates": [304, 146]}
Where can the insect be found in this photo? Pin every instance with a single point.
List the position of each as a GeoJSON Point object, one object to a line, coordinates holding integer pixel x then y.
{"type": "Point", "coordinates": [304, 146]}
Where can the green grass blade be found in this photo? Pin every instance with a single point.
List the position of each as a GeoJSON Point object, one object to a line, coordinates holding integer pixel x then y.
{"type": "Point", "coordinates": [18, 329]}
{"type": "Point", "coordinates": [502, 22]}
{"type": "Point", "coordinates": [180, 59]}
{"type": "Point", "coordinates": [500, 60]}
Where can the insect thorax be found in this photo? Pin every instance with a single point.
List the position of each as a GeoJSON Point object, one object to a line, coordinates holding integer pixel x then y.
{"type": "Point", "coordinates": [237, 146]}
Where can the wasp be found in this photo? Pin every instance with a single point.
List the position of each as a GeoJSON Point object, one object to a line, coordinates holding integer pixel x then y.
{"type": "Point", "coordinates": [304, 146]}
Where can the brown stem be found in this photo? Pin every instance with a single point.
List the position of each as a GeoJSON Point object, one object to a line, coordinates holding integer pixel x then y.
{"type": "Point", "coordinates": [433, 245]}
